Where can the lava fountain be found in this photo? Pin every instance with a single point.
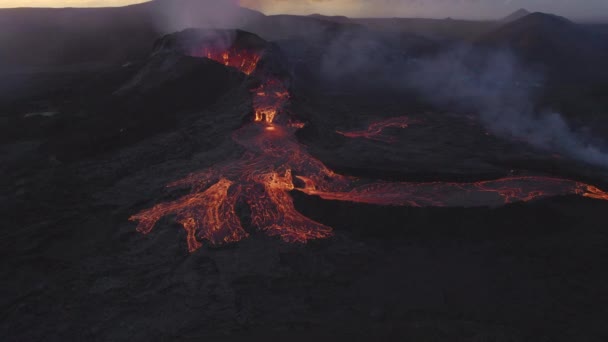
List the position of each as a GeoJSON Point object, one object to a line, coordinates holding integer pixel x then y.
{"type": "Point", "coordinates": [275, 164]}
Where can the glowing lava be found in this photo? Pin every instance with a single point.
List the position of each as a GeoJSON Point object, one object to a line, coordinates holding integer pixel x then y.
{"type": "Point", "coordinates": [274, 162]}
{"type": "Point", "coordinates": [261, 179]}
{"type": "Point", "coordinates": [439, 194]}
{"type": "Point", "coordinates": [268, 99]}
{"type": "Point", "coordinates": [375, 131]}
{"type": "Point", "coordinates": [244, 60]}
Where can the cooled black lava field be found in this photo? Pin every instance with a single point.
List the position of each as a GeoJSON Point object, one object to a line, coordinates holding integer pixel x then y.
{"type": "Point", "coordinates": [227, 185]}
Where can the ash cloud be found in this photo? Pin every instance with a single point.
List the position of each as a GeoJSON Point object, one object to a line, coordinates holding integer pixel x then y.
{"type": "Point", "coordinates": [493, 84]}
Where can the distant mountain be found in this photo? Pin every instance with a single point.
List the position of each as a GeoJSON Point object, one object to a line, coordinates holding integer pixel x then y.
{"type": "Point", "coordinates": [532, 27]}
{"type": "Point", "coordinates": [520, 13]}
{"type": "Point", "coordinates": [335, 18]}
{"type": "Point", "coordinates": [536, 36]}
{"type": "Point", "coordinates": [552, 41]}
{"type": "Point", "coordinates": [42, 37]}
{"type": "Point", "coordinates": [451, 29]}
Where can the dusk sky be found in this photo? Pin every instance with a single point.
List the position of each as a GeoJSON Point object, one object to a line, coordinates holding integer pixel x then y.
{"type": "Point", "coordinates": [576, 9]}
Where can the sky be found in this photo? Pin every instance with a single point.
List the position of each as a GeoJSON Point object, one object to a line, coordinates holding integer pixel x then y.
{"type": "Point", "coordinates": [474, 9]}
{"type": "Point", "coordinates": [432, 8]}
{"type": "Point", "coordinates": [66, 3]}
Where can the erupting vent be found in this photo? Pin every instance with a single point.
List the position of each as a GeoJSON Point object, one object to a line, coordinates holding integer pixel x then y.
{"type": "Point", "coordinates": [244, 60]}
{"type": "Point", "coordinates": [275, 162]}
{"type": "Point", "coordinates": [269, 97]}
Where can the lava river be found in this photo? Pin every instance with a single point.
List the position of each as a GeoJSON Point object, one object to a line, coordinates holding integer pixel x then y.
{"type": "Point", "coordinates": [275, 164]}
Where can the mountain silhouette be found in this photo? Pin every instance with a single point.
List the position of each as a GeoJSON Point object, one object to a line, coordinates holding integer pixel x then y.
{"type": "Point", "coordinates": [520, 13]}
{"type": "Point", "coordinates": [560, 45]}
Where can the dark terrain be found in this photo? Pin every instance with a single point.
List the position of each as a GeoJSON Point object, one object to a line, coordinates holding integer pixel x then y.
{"type": "Point", "coordinates": [93, 125]}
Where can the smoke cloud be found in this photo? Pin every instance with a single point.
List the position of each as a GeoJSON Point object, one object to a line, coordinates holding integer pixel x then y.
{"type": "Point", "coordinates": [503, 92]}
{"type": "Point", "coordinates": [493, 84]}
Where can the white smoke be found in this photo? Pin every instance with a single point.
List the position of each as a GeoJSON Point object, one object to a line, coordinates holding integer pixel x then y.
{"type": "Point", "coordinates": [502, 92]}
{"type": "Point", "coordinates": [176, 15]}
{"type": "Point", "coordinates": [495, 85]}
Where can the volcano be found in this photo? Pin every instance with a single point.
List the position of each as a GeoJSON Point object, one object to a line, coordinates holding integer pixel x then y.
{"type": "Point", "coordinates": [278, 180]}
{"type": "Point", "coordinates": [275, 163]}
{"type": "Point", "coordinates": [553, 42]}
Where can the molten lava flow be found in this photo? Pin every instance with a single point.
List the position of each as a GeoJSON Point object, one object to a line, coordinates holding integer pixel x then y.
{"type": "Point", "coordinates": [273, 212]}
{"type": "Point", "coordinates": [244, 60]}
{"type": "Point", "coordinates": [263, 177]}
{"type": "Point", "coordinates": [591, 191]}
{"type": "Point", "coordinates": [268, 99]}
{"type": "Point", "coordinates": [375, 131]}
{"type": "Point", "coordinates": [438, 194]}
{"type": "Point", "coordinates": [207, 215]}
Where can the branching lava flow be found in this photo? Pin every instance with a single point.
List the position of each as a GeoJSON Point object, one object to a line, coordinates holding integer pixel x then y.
{"type": "Point", "coordinates": [263, 177]}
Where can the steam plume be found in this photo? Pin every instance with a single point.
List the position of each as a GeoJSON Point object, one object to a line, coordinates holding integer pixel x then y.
{"type": "Point", "coordinates": [495, 85]}
{"type": "Point", "coordinates": [502, 92]}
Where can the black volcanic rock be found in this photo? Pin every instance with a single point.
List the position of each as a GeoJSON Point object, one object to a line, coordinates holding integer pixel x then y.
{"type": "Point", "coordinates": [520, 13]}
{"type": "Point", "coordinates": [102, 110]}
{"type": "Point", "coordinates": [78, 158]}
{"type": "Point", "coordinates": [177, 79]}
{"type": "Point", "coordinates": [175, 71]}
{"type": "Point", "coordinates": [165, 90]}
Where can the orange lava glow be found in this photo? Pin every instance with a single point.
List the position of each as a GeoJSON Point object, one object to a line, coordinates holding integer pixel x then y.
{"type": "Point", "coordinates": [441, 194]}
{"type": "Point", "coordinates": [275, 164]}
{"type": "Point", "coordinates": [262, 179]}
{"type": "Point", "coordinates": [268, 99]}
{"type": "Point", "coordinates": [243, 60]}
{"type": "Point", "coordinates": [375, 131]}
{"type": "Point", "coordinates": [207, 215]}
{"type": "Point", "coordinates": [591, 191]}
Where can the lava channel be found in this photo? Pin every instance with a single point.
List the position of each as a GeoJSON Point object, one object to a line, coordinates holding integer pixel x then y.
{"type": "Point", "coordinates": [376, 130]}
{"type": "Point", "coordinates": [274, 162]}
